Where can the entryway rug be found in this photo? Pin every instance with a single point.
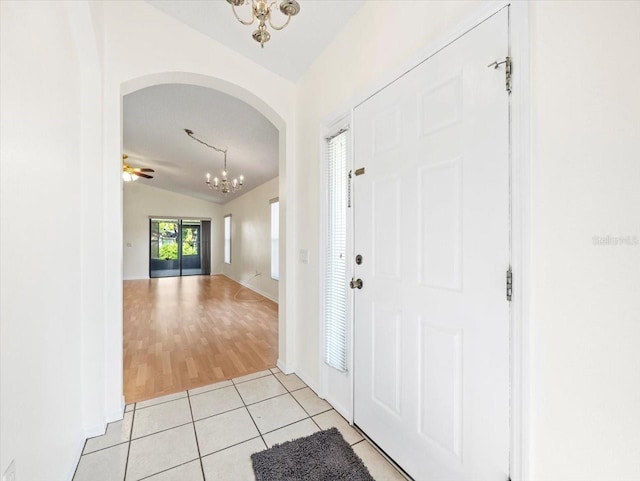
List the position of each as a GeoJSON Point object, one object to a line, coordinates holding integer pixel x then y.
{"type": "Point", "coordinates": [323, 456]}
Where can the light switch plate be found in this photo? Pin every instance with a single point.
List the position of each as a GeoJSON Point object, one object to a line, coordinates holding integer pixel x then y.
{"type": "Point", "coordinates": [304, 256]}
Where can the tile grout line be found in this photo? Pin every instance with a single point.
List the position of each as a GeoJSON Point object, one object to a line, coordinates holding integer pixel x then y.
{"type": "Point", "coordinates": [249, 412]}
{"type": "Point", "coordinates": [253, 379]}
{"type": "Point", "coordinates": [133, 420]}
{"type": "Point", "coordinates": [287, 425]}
{"type": "Point", "coordinates": [168, 469]}
{"type": "Point", "coordinates": [162, 430]}
{"type": "Point", "coordinates": [106, 447]}
{"type": "Point", "coordinates": [229, 447]}
{"type": "Point", "coordinates": [164, 402]}
{"type": "Point", "coordinates": [310, 416]}
{"type": "Point", "coordinates": [82, 453]}
{"type": "Point", "coordinates": [294, 398]}
{"type": "Point", "coordinates": [266, 399]}
{"type": "Point", "coordinates": [208, 390]}
{"type": "Point", "coordinates": [105, 433]}
{"type": "Point", "coordinates": [195, 433]}
{"type": "Point", "coordinates": [217, 414]}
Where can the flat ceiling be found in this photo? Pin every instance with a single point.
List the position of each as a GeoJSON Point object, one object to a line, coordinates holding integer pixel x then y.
{"type": "Point", "coordinates": [290, 52]}
{"type": "Point", "coordinates": [154, 137]}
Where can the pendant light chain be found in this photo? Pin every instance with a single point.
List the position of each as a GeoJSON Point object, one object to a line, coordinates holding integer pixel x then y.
{"type": "Point", "coordinates": [223, 185]}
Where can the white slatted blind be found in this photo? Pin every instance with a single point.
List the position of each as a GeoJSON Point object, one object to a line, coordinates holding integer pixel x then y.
{"type": "Point", "coordinates": [275, 239]}
{"type": "Point", "coordinates": [227, 239]}
{"type": "Point", "coordinates": [335, 291]}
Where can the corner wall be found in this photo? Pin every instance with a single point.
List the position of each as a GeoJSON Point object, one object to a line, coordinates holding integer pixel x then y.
{"type": "Point", "coordinates": [585, 185]}
{"type": "Point", "coordinates": [42, 323]}
{"type": "Point", "coordinates": [142, 201]}
{"type": "Point", "coordinates": [251, 239]}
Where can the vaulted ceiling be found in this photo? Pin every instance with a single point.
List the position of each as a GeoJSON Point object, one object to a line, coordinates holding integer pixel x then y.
{"type": "Point", "coordinates": [289, 52]}
{"type": "Point", "coordinates": [155, 117]}
{"type": "Point", "coordinates": [154, 137]}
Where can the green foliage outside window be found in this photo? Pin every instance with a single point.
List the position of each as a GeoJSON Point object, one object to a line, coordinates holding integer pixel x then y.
{"type": "Point", "coordinates": [169, 251]}
{"type": "Point", "coordinates": [189, 242]}
{"type": "Point", "coordinates": [164, 241]}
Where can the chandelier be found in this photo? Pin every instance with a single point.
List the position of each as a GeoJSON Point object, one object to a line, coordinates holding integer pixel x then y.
{"type": "Point", "coordinates": [222, 184]}
{"type": "Point", "coordinates": [261, 10]}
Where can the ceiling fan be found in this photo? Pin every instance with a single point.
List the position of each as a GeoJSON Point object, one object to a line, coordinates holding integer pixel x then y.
{"type": "Point", "coordinates": [130, 174]}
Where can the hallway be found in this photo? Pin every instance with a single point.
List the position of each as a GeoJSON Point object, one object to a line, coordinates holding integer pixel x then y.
{"type": "Point", "coordinates": [185, 332]}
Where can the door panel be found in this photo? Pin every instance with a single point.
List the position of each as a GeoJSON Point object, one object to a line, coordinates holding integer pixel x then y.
{"type": "Point", "coordinates": [432, 224]}
{"type": "Point", "coordinates": [191, 253]}
{"type": "Point", "coordinates": [175, 248]}
{"type": "Point", "coordinates": [164, 255]}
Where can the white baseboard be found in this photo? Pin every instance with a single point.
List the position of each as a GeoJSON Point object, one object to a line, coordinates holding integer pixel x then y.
{"type": "Point", "coordinates": [254, 289]}
{"type": "Point", "coordinates": [115, 415]}
{"type": "Point", "coordinates": [283, 367]}
{"type": "Point", "coordinates": [307, 381]}
{"type": "Point", "coordinates": [146, 278]}
{"type": "Point", "coordinates": [93, 431]}
{"type": "Point", "coordinates": [76, 459]}
{"type": "Point", "coordinates": [345, 413]}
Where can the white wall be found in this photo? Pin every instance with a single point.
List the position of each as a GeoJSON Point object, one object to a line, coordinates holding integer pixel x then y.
{"type": "Point", "coordinates": [143, 201]}
{"type": "Point", "coordinates": [41, 396]}
{"type": "Point", "coordinates": [61, 108]}
{"type": "Point", "coordinates": [356, 59]}
{"type": "Point", "coordinates": [143, 47]}
{"type": "Point", "coordinates": [585, 328]}
{"type": "Point", "coordinates": [585, 127]}
{"type": "Point", "coordinates": [585, 176]}
{"type": "Point", "coordinates": [251, 239]}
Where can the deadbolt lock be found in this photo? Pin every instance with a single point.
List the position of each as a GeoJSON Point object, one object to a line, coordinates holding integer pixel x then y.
{"type": "Point", "coordinates": [358, 259]}
{"type": "Point", "coordinates": [356, 284]}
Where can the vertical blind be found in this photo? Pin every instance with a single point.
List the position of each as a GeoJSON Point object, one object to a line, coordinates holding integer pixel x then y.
{"type": "Point", "coordinates": [227, 239]}
{"type": "Point", "coordinates": [275, 239]}
{"type": "Point", "coordinates": [335, 288]}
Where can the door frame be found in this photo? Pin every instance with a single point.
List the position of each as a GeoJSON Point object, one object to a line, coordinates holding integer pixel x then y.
{"type": "Point", "coordinates": [520, 317]}
{"type": "Point", "coordinates": [179, 220]}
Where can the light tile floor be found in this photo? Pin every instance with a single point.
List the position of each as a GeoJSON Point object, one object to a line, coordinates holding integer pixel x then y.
{"type": "Point", "coordinates": [209, 433]}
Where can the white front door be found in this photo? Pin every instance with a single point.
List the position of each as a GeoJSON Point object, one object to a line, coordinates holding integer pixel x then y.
{"type": "Point", "coordinates": [432, 225]}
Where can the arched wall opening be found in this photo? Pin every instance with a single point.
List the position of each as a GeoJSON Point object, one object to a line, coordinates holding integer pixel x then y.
{"type": "Point", "coordinates": [114, 210]}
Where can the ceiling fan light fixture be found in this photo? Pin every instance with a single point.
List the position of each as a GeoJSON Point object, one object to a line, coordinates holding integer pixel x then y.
{"type": "Point", "coordinates": [131, 174]}
{"type": "Point", "coordinates": [128, 177]}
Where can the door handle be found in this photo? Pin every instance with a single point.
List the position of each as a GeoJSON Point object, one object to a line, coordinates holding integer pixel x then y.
{"type": "Point", "coordinates": [356, 284]}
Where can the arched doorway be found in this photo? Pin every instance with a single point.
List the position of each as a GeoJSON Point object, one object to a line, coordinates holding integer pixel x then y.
{"type": "Point", "coordinates": [113, 203]}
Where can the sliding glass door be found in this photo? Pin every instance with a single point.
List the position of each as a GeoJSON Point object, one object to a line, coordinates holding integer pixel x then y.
{"type": "Point", "coordinates": [176, 247]}
{"type": "Point", "coordinates": [164, 258]}
{"type": "Point", "coordinates": [191, 252]}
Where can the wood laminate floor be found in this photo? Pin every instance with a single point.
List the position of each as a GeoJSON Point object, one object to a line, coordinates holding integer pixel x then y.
{"type": "Point", "coordinates": [184, 332]}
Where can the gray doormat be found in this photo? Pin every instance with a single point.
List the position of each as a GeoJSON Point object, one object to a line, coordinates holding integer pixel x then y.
{"type": "Point", "coordinates": [323, 456]}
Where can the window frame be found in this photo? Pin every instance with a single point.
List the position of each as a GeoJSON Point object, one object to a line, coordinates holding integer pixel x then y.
{"type": "Point", "coordinates": [335, 128]}
{"type": "Point", "coordinates": [224, 228]}
{"type": "Point", "coordinates": [271, 239]}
